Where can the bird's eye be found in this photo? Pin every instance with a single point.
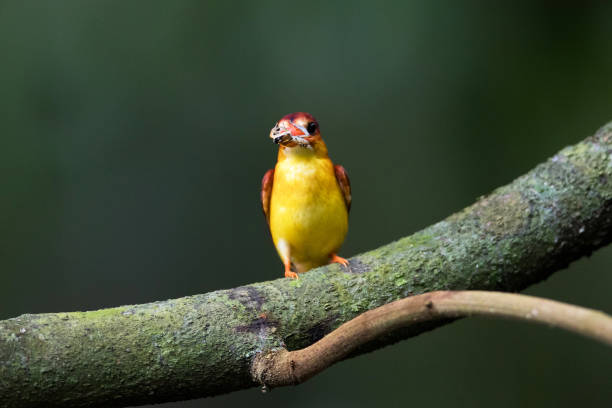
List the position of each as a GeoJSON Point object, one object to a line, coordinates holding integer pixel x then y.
{"type": "Point", "coordinates": [311, 127]}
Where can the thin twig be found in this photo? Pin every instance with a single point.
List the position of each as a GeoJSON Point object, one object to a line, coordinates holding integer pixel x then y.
{"type": "Point", "coordinates": [281, 367]}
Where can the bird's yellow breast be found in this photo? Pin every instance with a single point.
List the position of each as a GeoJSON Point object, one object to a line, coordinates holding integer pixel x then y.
{"type": "Point", "coordinates": [308, 216]}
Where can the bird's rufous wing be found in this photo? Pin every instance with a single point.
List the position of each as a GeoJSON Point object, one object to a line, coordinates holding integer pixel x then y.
{"type": "Point", "coordinates": [266, 193]}
{"type": "Point", "coordinates": [345, 184]}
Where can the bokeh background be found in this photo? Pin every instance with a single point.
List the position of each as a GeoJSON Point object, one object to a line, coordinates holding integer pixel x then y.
{"type": "Point", "coordinates": [134, 136]}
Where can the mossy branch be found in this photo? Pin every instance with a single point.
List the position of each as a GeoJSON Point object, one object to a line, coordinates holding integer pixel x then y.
{"type": "Point", "coordinates": [205, 345]}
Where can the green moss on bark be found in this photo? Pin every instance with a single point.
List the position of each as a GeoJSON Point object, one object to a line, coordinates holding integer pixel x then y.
{"type": "Point", "coordinates": [203, 345]}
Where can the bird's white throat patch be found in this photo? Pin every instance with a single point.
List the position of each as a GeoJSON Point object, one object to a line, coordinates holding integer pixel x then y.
{"type": "Point", "coordinates": [299, 150]}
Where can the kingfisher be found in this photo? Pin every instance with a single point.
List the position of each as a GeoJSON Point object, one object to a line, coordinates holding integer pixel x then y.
{"type": "Point", "coordinates": [306, 198]}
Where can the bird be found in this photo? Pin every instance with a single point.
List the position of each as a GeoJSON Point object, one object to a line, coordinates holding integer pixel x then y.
{"type": "Point", "coordinates": [306, 199]}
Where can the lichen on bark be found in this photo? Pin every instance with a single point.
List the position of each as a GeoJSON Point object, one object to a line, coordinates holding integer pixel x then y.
{"type": "Point", "coordinates": [203, 345]}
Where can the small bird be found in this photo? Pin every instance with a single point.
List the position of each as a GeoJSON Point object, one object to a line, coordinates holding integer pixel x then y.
{"type": "Point", "coordinates": [305, 198]}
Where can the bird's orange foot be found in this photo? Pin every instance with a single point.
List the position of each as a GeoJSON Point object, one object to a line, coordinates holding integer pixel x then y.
{"type": "Point", "coordinates": [338, 259]}
{"type": "Point", "coordinates": [289, 273]}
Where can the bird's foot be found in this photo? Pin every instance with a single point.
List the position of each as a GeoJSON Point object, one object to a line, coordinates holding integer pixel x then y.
{"type": "Point", "coordinates": [289, 273]}
{"type": "Point", "coordinates": [338, 259]}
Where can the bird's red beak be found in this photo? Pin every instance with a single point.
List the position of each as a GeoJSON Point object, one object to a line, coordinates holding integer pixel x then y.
{"type": "Point", "coordinates": [290, 134]}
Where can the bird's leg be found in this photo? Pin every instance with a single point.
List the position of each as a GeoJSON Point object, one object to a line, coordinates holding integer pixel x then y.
{"type": "Point", "coordinates": [334, 258]}
{"type": "Point", "coordinates": [288, 272]}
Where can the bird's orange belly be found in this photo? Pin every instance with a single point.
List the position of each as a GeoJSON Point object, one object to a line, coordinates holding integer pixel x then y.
{"type": "Point", "coordinates": [308, 216]}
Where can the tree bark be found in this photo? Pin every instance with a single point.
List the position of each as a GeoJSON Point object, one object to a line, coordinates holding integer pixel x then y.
{"type": "Point", "coordinates": [205, 345]}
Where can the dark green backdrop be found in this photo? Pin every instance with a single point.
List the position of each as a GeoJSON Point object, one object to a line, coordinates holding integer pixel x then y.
{"type": "Point", "coordinates": [134, 136]}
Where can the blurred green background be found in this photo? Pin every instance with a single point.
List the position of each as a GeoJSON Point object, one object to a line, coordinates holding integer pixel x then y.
{"type": "Point", "coordinates": [135, 134]}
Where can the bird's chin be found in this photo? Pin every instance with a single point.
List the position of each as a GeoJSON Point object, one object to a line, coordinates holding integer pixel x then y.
{"type": "Point", "coordinates": [301, 142]}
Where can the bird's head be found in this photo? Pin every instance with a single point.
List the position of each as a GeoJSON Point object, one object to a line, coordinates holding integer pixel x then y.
{"type": "Point", "coordinates": [298, 130]}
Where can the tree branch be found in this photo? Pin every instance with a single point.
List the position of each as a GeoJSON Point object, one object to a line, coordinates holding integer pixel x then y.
{"type": "Point", "coordinates": [204, 345]}
{"type": "Point", "coordinates": [282, 367]}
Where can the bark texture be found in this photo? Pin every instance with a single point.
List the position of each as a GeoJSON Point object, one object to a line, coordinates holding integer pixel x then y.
{"type": "Point", "coordinates": [204, 345]}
